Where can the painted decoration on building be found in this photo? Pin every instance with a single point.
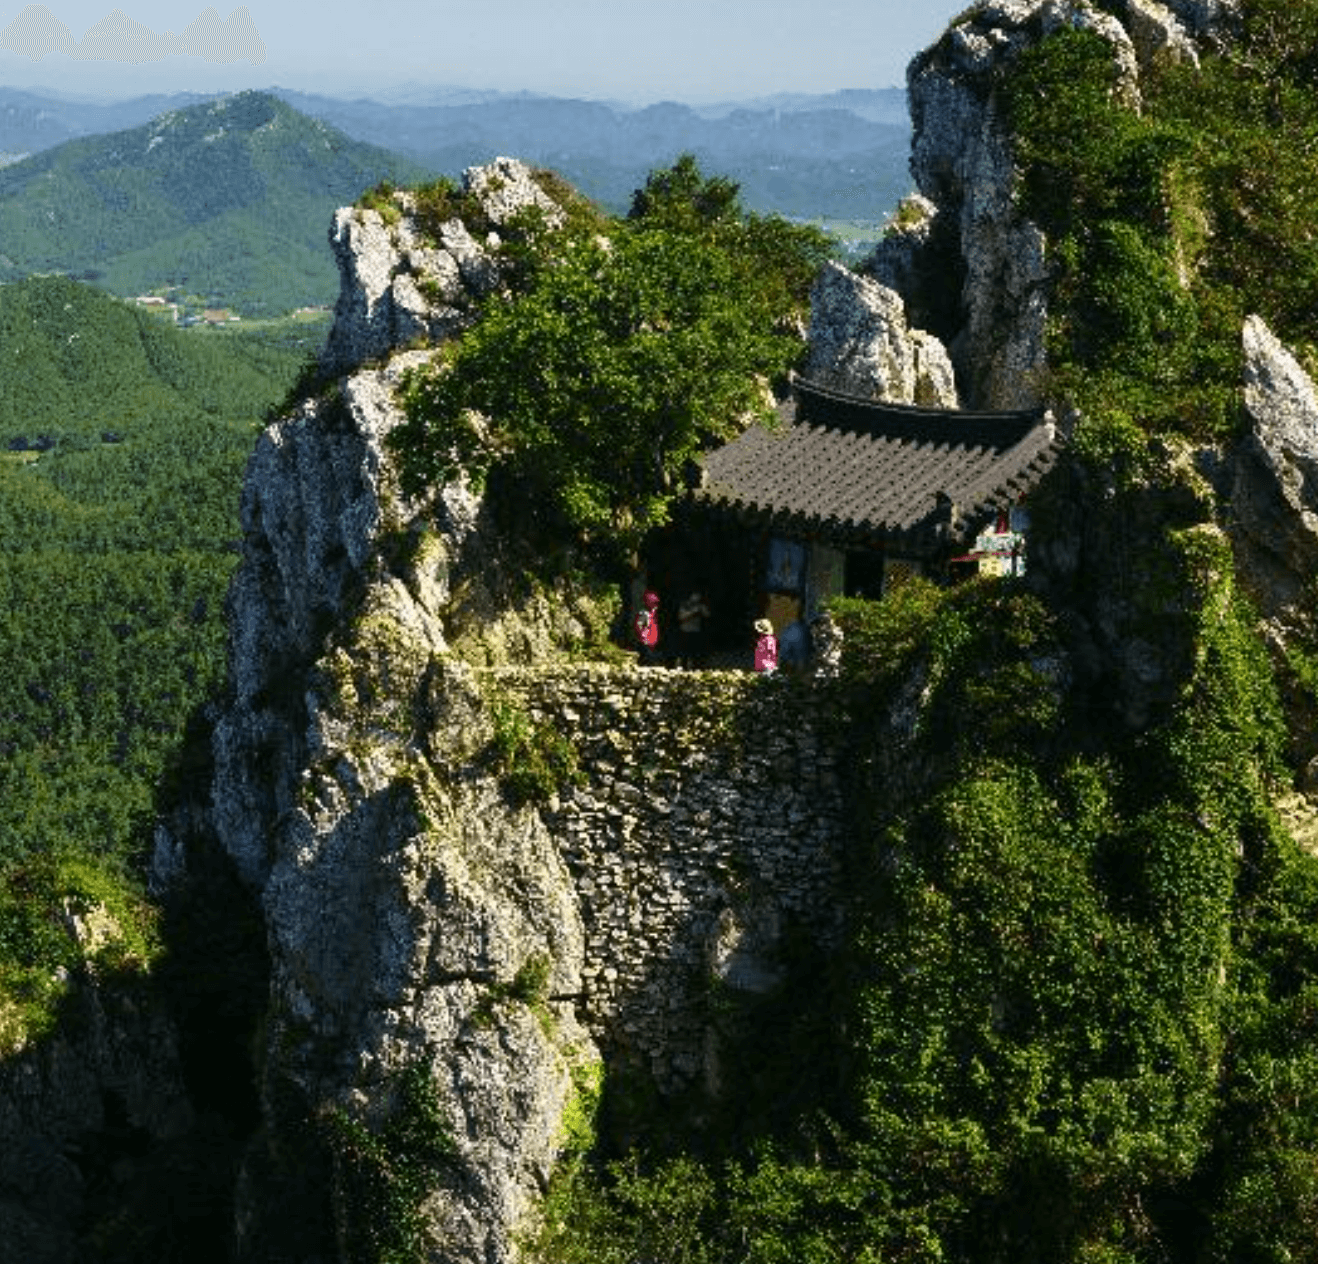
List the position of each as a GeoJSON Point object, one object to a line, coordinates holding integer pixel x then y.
{"type": "Point", "coordinates": [786, 570]}
{"type": "Point", "coordinates": [1000, 548]}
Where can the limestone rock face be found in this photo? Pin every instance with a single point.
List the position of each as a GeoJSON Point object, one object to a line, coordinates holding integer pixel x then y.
{"type": "Point", "coordinates": [860, 343]}
{"type": "Point", "coordinates": [402, 905]}
{"type": "Point", "coordinates": [1205, 18]}
{"type": "Point", "coordinates": [895, 261]}
{"type": "Point", "coordinates": [394, 902]}
{"type": "Point", "coordinates": [384, 307]}
{"type": "Point", "coordinates": [1275, 492]}
{"type": "Point", "coordinates": [507, 186]}
{"type": "Point", "coordinates": [398, 905]}
{"type": "Point", "coordinates": [963, 162]}
{"type": "Point", "coordinates": [317, 497]}
{"type": "Point", "coordinates": [399, 285]}
{"type": "Point", "coordinates": [1158, 35]}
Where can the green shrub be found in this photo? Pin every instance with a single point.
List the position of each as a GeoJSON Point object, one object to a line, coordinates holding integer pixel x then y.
{"type": "Point", "coordinates": [1166, 227]}
{"type": "Point", "coordinates": [380, 198]}
{"type": "Point", "coordinates": [534, 761]}
{"type": "Point", "coordinates": [381, 1177]}
{"type": "Point", "coordinates": [39, 953]}
{"type": "Point", "coordinates": [441, 200]}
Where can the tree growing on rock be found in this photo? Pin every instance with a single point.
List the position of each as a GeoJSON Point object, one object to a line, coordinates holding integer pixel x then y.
{"type": "Point", "coordinates": [585, 395]}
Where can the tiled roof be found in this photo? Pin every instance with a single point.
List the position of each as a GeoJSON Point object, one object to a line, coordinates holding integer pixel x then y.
{"type": "Point", "coordinates": [852, 469]}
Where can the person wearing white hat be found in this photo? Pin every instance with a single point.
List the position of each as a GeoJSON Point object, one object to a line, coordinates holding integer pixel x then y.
{"type": "Point", "coordinates": [766, 647]}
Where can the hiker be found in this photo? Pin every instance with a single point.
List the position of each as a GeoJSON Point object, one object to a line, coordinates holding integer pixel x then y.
{"type": "Point", "coordinates": [691, 616]}
{"type": "Point", "coordinates": [647, 630]}
{"type": "Point", "coordinates": [766, 648]}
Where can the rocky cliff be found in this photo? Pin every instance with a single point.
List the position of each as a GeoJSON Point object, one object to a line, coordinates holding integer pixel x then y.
{"type": "Point", "coordinates": [396, 896]}
{"type": "Point", "coordinates": [79, 1108]}
{"type": "Point", "coordinates": [860, 342]}
{"type": "Point", "coordinates": [394, 676]}
{"type": "Point", "coordinates": [966, 234]}
{"type": "Point", "coordinates": [487, 867]}
{"type": "Point", "coordinates": [962, 272]}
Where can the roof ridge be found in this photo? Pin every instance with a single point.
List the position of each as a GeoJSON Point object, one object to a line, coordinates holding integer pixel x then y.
{"type": "Point", "coordinates": [809, 386]}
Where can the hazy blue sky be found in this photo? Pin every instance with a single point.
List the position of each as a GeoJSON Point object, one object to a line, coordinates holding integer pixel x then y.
{"type": "Point", "coordinates": [633, 50]}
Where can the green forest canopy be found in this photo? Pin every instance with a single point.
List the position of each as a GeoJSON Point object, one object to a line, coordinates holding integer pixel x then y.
{"type": "Point", "coordinates": [122, 446]}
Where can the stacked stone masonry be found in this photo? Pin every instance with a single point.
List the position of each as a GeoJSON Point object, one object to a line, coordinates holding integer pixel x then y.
{"type": "Point", "coordinates": [708, 824]}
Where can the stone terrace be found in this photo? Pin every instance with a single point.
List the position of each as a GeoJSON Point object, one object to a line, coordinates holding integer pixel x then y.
{"type": "Point", "coordinates": [710, 823]}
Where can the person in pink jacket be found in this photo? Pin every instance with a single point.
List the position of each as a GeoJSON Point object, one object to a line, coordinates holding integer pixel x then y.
{"type": "Point", "coordinates": [646, 627]}
{"type": "Point", "coordinates": [766, 647]}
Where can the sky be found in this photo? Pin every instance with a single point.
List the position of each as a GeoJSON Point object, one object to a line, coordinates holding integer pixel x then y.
{"type": "Point", "coordinates": [634, 51]}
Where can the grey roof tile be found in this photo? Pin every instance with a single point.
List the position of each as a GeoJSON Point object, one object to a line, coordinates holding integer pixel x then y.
{"type": "Point", "coordinates": [855, 469]}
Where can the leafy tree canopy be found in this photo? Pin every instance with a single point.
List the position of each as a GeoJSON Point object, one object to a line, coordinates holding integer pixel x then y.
{"type": "Point", "coordinates": [635, 344]}
{"type": "Point", "coordinates": [681, 197]}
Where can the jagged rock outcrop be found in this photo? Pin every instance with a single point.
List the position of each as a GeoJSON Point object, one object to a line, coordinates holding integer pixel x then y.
{"type": "Point", "coordinates": [1003, 27]}
{"type": "Point", "coordinates": [895, 261]}
{"type": "Point", "coordinates": [505, 188]}
{"type": "Point", "coordinates": [962, 161]}
{"type": "Point", "coordinates": [407, 284]}
{"type": "Point", "coordinates": [1158, 35]}
{"type": "Point", "coordinates": [1274, 491]}
{"type": "Point", "coordinates": [418, 914]}
{"type": "Point", "coordinates": [406, 913]}
{"type": "Point", "coordinates": [317, 498]}
{"type": "Point", "coordinates": [108, 1079]}
{"type": "Point", "coordinates": [860, 342]}
{"type": "Point", "coordinates": [396, 906]}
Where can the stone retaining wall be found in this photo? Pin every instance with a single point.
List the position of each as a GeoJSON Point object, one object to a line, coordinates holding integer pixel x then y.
{"type": "Point", "coordinates": [709, 824]}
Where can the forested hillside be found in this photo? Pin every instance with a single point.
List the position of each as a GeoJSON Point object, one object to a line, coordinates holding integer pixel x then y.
{"type": "Point", "coordinates": [122, 445]}
{"type": "Point", "coordinates": [228, 200]}
{"type": "Point", "coordinates": [1077, 1013]}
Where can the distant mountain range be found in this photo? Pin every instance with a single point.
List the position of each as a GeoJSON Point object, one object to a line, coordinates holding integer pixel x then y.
{"type": "Point", "coordinates": [228, 199]}
{"type": "Point", "coordinates": [836, 156]}
{"type": "Point", "coordinates": [805, 157]}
